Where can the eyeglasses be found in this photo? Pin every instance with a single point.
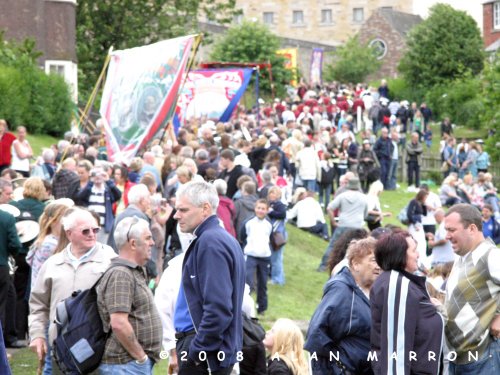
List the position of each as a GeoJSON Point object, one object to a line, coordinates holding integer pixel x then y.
{"type": "Point", "coordinates": [135, 221]}
{"type": "Point", "coordinates": [87, 231]}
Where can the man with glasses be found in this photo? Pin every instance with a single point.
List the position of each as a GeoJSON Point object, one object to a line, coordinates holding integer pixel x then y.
{"type": "Point", "coordinates": [126, 304]}
{"type": "Point", "coordinates": [208, 316]}
{"type": "Point", "coordinates": [77, 267]}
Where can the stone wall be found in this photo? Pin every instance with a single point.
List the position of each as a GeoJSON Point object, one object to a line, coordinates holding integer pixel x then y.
{"type": "Point", "coordinates": [52, 23]}
{"type": "Point", "coordinates": [377, 27]}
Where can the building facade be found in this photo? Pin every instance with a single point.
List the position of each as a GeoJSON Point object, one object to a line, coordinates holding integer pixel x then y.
{"type": "Point", "coordinates": [491, 25]}
{"type": "Point", "coordinates": [52, 24]}
{"type": "Point", "coordinates": [329, 22]}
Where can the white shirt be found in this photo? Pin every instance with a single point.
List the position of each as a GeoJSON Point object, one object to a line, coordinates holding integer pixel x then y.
{"type": "Point", "coordinates": [307, 211]}
{"type": "Point", "coordinates": [433, 201]}
{"type": "Point", "coordinates": [443, 253]}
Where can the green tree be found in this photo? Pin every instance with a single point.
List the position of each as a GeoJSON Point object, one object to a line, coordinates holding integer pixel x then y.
{"type": "Point", "coordinates": [27, 95]}
{"type": "Point", "coordinates": [252, 42]}
{"type": "Point", "coordinates": [102, 24]}
{"type": "Point", "coordinates": [445, 46]}
{"type": "Point", "coordinates": [491, 115]}
{"type": "Point", "coordinates": [353, 63]}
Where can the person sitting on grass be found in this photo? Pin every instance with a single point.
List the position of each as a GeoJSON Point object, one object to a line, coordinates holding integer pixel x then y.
{"type": "Point", "coordinates": [309, 214]}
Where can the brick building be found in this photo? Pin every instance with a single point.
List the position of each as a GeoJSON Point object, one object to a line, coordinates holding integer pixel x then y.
{"type": "Point", "coordinates": [52, 24]}
{"type": "Point", "coordinates": [491, 25]}
{"type": "Point", "coordinates": [386, 30]}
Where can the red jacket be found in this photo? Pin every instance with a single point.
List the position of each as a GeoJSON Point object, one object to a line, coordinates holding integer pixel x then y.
{"type": "Point", "coordinates": [5, 145]}
{"type": "Point", "coordinates": [226, 212]}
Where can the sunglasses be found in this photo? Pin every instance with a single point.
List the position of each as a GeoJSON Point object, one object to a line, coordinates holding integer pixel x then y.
{"type": "Point", "coordinates": [87, 231]}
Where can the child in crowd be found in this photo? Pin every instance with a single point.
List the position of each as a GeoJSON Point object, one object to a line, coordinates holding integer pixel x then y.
{"type": "Point", "coordinates": [428, 138]}
{"type": "Point", "coordinates": [255, 236]}
{"type": "Point", "coordinates": [285, 343]}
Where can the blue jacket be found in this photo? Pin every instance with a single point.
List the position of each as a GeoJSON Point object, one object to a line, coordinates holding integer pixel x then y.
{"type": "Point", "coordinates": [393, 296]}
{"type": "Point", "coordinates": [213, 279]}
{"type": "Point", "coordinates": [341, 323]}
{"type": "Point", "coordinates": [111, 195]}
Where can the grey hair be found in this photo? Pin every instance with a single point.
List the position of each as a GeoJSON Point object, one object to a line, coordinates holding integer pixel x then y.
{"type": "Point", "coordinates": [69, 221]}
{"type": "Point", "coordinates": [201, 154]}
{"type": "Point", "coordinates": [48, 155]}
{"type": "Point", "coordinates": [138, 192]}
{"type": "Point", "coordinates": [220, 186]}
{"type": "Point", "coordinates": [266, 176]}
{"type": "Point", "coordinates": [4, 183]}
{"type": "Point", "coordinates": [131, 226]}
{"type": "Point", "coordinates": [198, 193]}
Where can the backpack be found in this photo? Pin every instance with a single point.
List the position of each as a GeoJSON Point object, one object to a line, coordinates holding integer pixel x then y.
{"type": "Point", "coordinates": [80, 342]}
{"type": "Point", "coordinates": [253, 333]}
{"type": "Point", "coordinates": [403, 215]}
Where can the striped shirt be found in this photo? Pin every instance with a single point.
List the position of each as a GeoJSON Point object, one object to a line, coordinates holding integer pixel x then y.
{"type": "Point", "coordinates": [97, 203]}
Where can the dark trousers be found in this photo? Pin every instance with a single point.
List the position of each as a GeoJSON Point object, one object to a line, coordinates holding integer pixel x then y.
{"type": "Point", "coordinates": [21, 283]}
{"type": "Point", "coordinates": [258, 268]}
{"type": "Point", "coordinates": [9, 325]}
{"type": "Point", "coordinates": [320, 229]}
{"type": "Point", "coordinates": [385, 166]}
{"type": "Point", "coordinates": [187, 366]}
{"type": "Point", "coordinates": [413, 171]}
{"type": "Point", "coordinates": [4, 291]}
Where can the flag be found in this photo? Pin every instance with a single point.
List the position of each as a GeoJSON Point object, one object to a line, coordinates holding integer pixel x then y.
{"type": "Point", "coordinates": [290, 55]}
{"type": "Point", "coordinates": [316, 66]}
{"type": "Point", "coordinates": [140, 94]}
{"type": "Point", "coordinates": [211, 93]}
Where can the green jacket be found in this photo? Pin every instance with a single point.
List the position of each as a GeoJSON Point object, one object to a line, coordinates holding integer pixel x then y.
{"type": "Point", "coordinates": [31, 209]}
{"type": "Point", "coordinates": [9, 241]}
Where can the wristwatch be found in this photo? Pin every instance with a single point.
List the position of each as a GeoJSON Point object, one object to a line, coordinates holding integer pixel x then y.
{"type": "Point", "coordinates": [142, 361]}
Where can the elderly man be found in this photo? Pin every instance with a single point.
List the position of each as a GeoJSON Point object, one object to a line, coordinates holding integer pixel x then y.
{"type": "Point", "coordinates": [414, 159]}
{"type": "Point", "coordinates": [126, 304]}
{"type": "Point", "coordinates": [208, 316]}
{"type": "Point", "coordinates": [77, 267]}
{"type": "Point", "coordinates": [66, 182]}
{"type": "Point", "coordinates": [472, 295]}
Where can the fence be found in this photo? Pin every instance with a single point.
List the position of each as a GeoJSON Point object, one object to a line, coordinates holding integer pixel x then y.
{"type": "Point", "coordinates": [431, 169]}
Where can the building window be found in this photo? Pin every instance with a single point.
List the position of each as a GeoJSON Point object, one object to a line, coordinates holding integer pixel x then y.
{"type": "Point", "coordinates": [326, 16]}
{"type": "Point", "coordinates": [496, 15]}
{"type": "Point", "coordinates": [298, 17]}
{"type": "Point", "coordinates": [379, 48]}
{"type": "Point", "coordinates": [268, 18]}
{"type": "Point", "coordinates": [358, 15]}
{"type": "Point", "coordinates": [66, 69]}
{"type": "Point", "coordinates": [238, 19]}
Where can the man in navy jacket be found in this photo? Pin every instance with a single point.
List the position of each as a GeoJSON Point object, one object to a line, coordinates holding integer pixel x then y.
{"type": "Point", "coordinates": [208, 316]}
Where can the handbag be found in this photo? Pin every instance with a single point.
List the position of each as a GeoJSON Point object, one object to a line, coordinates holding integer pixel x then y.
{"type": "Point", "coordinates": [445, 166]}
{"type": "Point", "coordinates": [278, 239]}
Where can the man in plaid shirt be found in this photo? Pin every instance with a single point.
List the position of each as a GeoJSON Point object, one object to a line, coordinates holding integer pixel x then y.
{"type": "Point", "coordinates": [126, 304]}
{"type": "Point", "coordinates": [472, 295]}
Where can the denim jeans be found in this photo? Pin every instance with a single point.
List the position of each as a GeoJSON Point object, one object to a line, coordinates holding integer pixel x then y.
{"type": "Point", "coordinates": [130, 368]}
{"type": "Point", "coordinates": [277, 269]}
{"type": "Point", "coordinates": [47, 368]}
{"type": "Point", "coordinates": [258, 267]}
{"type": "Point", "coordinates": [384, 172]}
{"type": "Point", "coordinates": [309, 185]}
{"type": "Point", "coordinates": [488, 364]}
{"type": "Point", "coordinates": [392, 178]}
{"type": "Point", "coordinates": [336, 234]}
{"type": "Point", "coordinates": [325, 191]}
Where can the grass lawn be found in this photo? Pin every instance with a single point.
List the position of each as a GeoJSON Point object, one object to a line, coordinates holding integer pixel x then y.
{"type": "Point", "coordinates": [297, 299]}
{"type": "Point", "coordinates": [40, 141]}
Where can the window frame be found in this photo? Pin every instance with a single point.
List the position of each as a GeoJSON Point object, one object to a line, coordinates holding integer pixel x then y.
{"type": "Point", "coordinates": [362, 15]}
{"type": "Point", "coordinates": [327, 11]}
{"type": "Point", "coordinates": [294, 21]}
{"type": "Point", "coordinates": [264, 18]}
{"type": "Point", "coordinates": [496, 15]}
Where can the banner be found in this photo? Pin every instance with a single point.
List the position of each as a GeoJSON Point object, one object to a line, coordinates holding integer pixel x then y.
{"type": "Point", "coordinates": [211, 93]}
{"type": "Point", "coordinates": [290, 55]}
{"type": "Point", "coordinates": [141, 90]}
{"type": "Point", "coordinates": [316, 66]}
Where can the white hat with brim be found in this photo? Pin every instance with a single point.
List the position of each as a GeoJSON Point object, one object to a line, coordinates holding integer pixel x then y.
{"type": "Point", "coordinates": [27, 230]}
{"type": "Point", "coordinates": [14, 211]}
{"type": "Point", "coordinates": [17, 194]}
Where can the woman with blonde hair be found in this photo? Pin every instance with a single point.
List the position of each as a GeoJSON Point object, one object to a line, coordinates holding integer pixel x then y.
{"type": "Point", "coordinates": [284, 342]}
{"type": "Point", "coordinates": [46, 243]}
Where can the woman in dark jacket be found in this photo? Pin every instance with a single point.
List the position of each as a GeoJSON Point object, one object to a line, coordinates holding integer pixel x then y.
{"type": "Point", "coordinates": [367, 162]}
{"type": "Point", "coordinates": [338, 338]}
{"type": "Point", "coordinates": [277, 214]}
{"type": "Point", "coordinates": [405, 320]}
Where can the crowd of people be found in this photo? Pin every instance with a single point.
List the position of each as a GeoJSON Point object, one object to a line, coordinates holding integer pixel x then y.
{"type": "Point", "coordinates": [199, 220]}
